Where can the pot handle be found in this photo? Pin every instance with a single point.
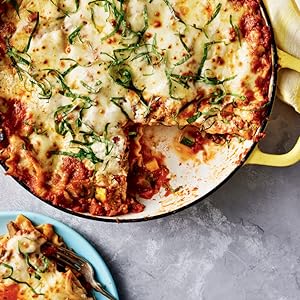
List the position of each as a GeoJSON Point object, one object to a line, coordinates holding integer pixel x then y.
{"type": "Point", "coordinates": [275, 160]}
{"type": "Point", "coordinates": [279, 160]}
{"type": "Point", "coordinates": [287, 61]}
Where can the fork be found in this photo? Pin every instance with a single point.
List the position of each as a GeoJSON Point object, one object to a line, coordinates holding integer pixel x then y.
{"type": "Point", "coordinates": [67, 257]}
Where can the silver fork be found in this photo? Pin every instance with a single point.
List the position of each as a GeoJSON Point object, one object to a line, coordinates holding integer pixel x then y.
{"type": "Point", "coordinates": [67, 257]}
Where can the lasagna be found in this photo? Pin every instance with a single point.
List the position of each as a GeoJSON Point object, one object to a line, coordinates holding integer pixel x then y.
{"type": "Point", "coordinates": [79, 80]}
{"type": "Point", "coordinates": [25, 273]}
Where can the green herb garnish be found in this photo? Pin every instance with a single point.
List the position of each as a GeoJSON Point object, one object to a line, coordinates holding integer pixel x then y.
{"type": "Point", "coordinates": [151, 54]}
{"type": "Point", "coordinates": [32, 33]}
{"type": "Point", "coordinates": [175, 78]}
{"type": "Point", "coordinates": [108, 145]}
{"type": "Point", "coordinates": [9, 276]}
{"type": "Point", "coordinates": [73, 35]}
{"type": "Point", "coordinates": [187, 142]}
{"type": "Point", "coordinates": [174, 12]}
{"type": "Point", "coordinates": [122, 75]}
{"type": "Point", "coordinates": [118, 101]}
{"type": "Point", "coordinates": [194, 118]}
{"type": "Point", "coordinates": [14, 4]}
{"type": "Point", "coordinates": [66, 90]}
{"type": "Point", "coordinates": [213, 80]}
{"type": "Point", "coordinates": [62, 124]}
{"type": "Point", "coordinates": [140, 34]}
{"type": "Point", "coordinates": [83, 153]}
{"type": "Point", "coordinates": [117, 12]}
{"type": "Point", "coordinates": [214, 15]}
{"type": "Point", "coordinates": [207, 46]}
{"type": "Point", "coordinates": [65, 12]}
{"type": "Point", "coordinates": [132, 133]}
{"type": "Point", "coordinates": [187, 49]}
{"type": "Point", "coordinates": [217, 96]}
{"type": "Point", "coordinates": [44, 85]}
{"type": "Point", "coordinates": [30, 264]}
{"type": "Point", "coordinates": [10, 270]}
{"type": "Point", "coordinates": [93, 90]}
{"type": "Point", "coordinates": [236, 29]}
{"type": "Point", "coordinates": [69, 70]}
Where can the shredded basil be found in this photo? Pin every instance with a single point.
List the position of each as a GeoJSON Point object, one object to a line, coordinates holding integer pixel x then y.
{"type": "Point", "coordinates": [215, 13]}
{"type": "Point", "coordinates": [194, 118]}
{"type": "Point", "coordinates": [84, 146]}
{"type": "Point", "coordinates": [11, 269]}
{"type": "Point", "coordinates": [108, 145]}
{"type": "Point", "coordinates": [213, 80]}
{"type": "Point", "coordinates": [93, 17]}
{"type": "Point", "coordinates": [62, 125]}
{"type": "Point", "coordinates": [65, 117]}
{"type": "Point", "coordinates": [32, 33]}
{"type": "Point", "coordinates": [150, 54]}
{"type": "Point", "coordinates": [30, 264]}
{"type": "Point", "coordinates": [236, 29]}
{"type": "Point", "coordinates": [117, 12]}
{"type": "Point", "coordinates": [181, 79]}
{"type": "Point", "coordinates": [207, 46]}
{"type": "Point", "coordinates": [242, 97]}
{"type": "Point", "coordinates": [69, 70]}
{"type": "Point", "coordinates": [83, 153]}
{"type": "Point", "coordinates": [132, 133]}
{"type": "Point", "coordinates": [93, 90]}
{"type": "Point", "coordinates": [66, 90]}
{"type": "Point", "coordinates": [118, 101]}
{"type": "Point", "coordinates": [122, 75]}
{"type": "Point", "coordinates": [19, 59]}
{"type": "Point", "coordinates": [187, 49]}
{"type": "Point", "coordinates": [65, 12]}
{"type": "Point", "coordinates": [73, 35]}
{"type": "Point", "coordinates": [174, 12]}
{"type": "Point", "coordinates": [44, 85]}
{"type": "Point", "coordinates": [217, 96]}
{"type": "Point", "coordinates": [14, 4]}
{"type": "Point", "coordinates": [177, 79]}
{"type": "Point", "coordinates": [187, 142]}
{"type": "Point", "coordinates": [26, 283]}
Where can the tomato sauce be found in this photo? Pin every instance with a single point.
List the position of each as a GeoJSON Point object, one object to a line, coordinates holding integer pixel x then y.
{"type": "Point", "coordinates": [6, 30]}
{"type": "Point", "coordinates": [10, 292]}
{"type": "Point", "coordinates": [142, 181]}
{"type": "Point", "coordinates": [12, 119]}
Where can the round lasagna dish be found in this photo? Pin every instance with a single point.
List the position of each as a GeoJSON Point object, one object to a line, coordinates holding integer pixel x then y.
{"type": "Point", "coordinates": [81, 81]}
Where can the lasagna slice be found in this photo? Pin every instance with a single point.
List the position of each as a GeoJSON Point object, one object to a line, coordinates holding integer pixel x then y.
{"type": "Point", "coordinates": [25, 273]}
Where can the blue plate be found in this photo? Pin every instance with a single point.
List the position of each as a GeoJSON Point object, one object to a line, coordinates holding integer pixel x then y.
{"type": "Point", "coordinates": [73, 240]}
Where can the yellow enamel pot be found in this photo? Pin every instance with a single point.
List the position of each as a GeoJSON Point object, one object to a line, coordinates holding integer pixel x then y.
{"type": "Point", "coordinates": [194, 179]}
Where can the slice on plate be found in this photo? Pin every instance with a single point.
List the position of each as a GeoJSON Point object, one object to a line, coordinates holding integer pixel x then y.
{"type": "Point", "coordinates": [25, 273]}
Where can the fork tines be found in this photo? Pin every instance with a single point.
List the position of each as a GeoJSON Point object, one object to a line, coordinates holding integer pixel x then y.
{"type": "Point", "coordinates": [64, 256]}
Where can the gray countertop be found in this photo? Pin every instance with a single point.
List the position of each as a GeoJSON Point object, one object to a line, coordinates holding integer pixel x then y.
{"type": "Point", "coordinates": [243, 242]}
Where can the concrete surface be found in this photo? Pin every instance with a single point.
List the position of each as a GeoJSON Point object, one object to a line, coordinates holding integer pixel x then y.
{"type": "Point", "coordinates": [241, 243]}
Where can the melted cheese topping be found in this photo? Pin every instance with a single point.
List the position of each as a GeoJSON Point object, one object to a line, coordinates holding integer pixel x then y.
{"type": "Point", "coordinates": [83, 71]}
